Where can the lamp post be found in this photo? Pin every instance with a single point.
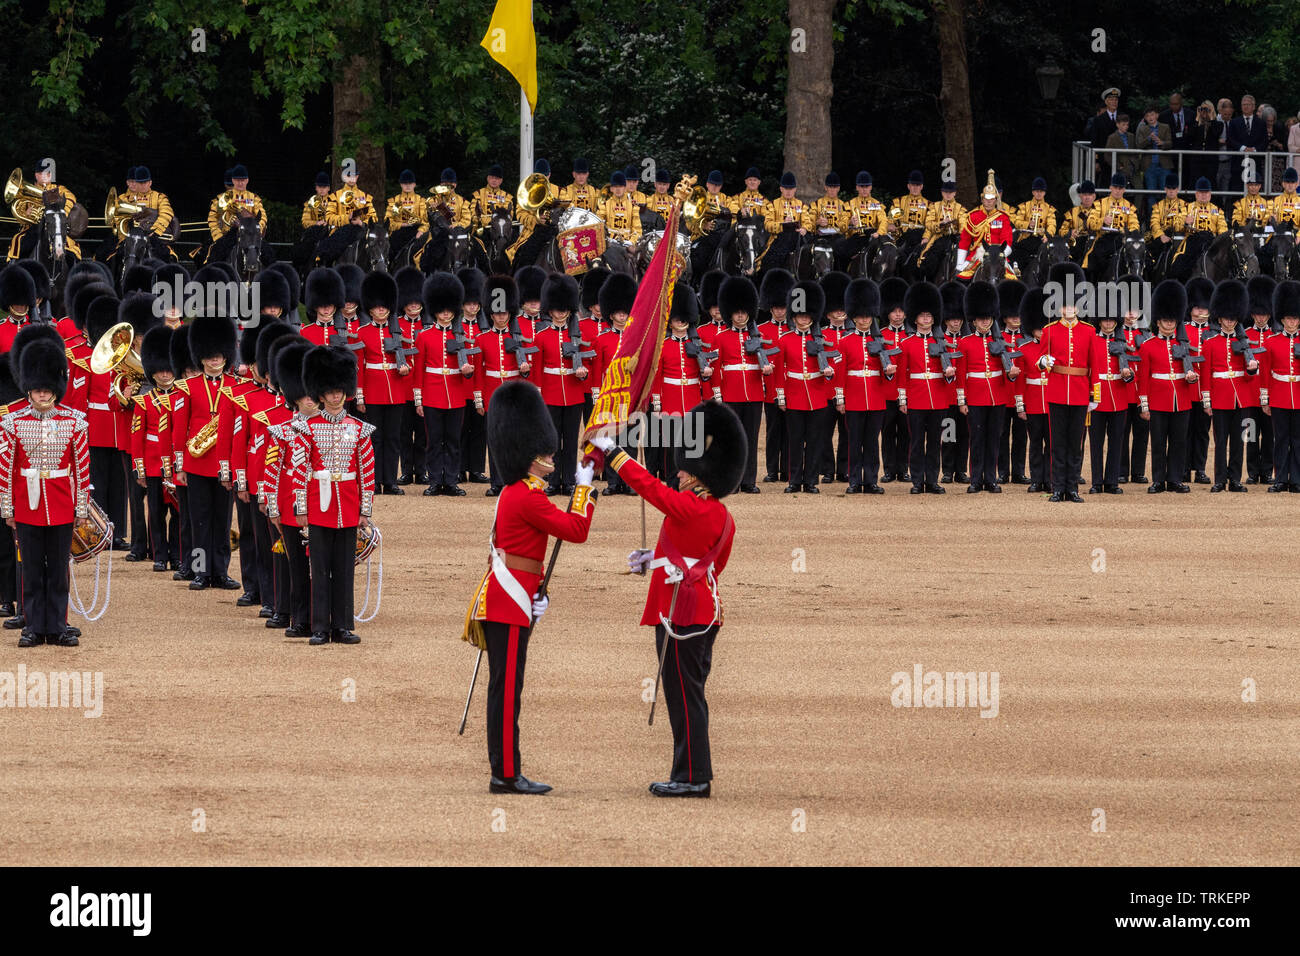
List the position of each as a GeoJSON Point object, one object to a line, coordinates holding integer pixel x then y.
{"type": "Point", "coordinates": [1049, 79]}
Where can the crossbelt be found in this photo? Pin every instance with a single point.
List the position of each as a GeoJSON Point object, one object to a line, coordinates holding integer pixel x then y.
{"type": "Point", "coordinates": [681, 381]}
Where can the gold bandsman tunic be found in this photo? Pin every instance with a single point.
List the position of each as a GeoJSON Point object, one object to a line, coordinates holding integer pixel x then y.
{"type": "Point", "coordinates": [485, 201]}
{"type": "Point", "coordinates": [912, 211]}
{"type": "Point", "coordinates": [834, 209]}
{"type": "Point", "coordinates": [1168, 218]}
{"type": "Point", "coordinates": [313, 211]}
{"type": "Point", "coordinates": [749, 202]}
{"type": "Point", "coordinates": [584, 197]}
{"type": "Point", "coordinates": [1286, 209]}
{"type": "Point", "coordinates": [153, 199]}
{"type": "Point", "coordinates": [864, 216]}
{"type": "Point", "coordinates": [406, 209]}
{"type": "Point", "coordinates": [1257, 208]}
{"type": "Point", "coordinates": [622, 219]}
{"type": "Point", "coordinates": [528, 222]}
{"type": "Point", "coordinates": [247, 203]}
{"type": "Point", "coordinates": [461, 215]}
{"type": "Point", "coordinates": [1207, 218]}
{"type": "Point", "coordinates": [947, 217]}
{"type": "Point", "coordinates": [69, 200]}
{"type": "Point", "coordinates": [339, 213]}
{"type": "Point", "coordinates": [661, 203]}
{"type": "Point", "coordinates": [1035, 217]}
{"type": "Point", "coordinates": [781, 212]}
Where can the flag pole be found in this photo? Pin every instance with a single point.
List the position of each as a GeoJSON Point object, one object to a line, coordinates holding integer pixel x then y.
{"type": "Point", "coordinates": [526, 125]}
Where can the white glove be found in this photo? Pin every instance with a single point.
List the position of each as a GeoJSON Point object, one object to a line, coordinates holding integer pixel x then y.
{"type": "Point", "coordinates": [539, 607]}
{"type": "Point", "coordinates": [638, 562]}
{"type": "Point", "coordinates": [585, 473]}
{"type": "Point", "coordinates": [1092, 406]}
{"type": "Point", "coordinates": [961, 259]}
{"type": "Point", "coordinates": [1046, 361]}
{"type": "Point", "coordinates": [603, 442]}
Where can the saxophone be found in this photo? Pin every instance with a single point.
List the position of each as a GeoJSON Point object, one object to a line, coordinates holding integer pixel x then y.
{"type": "Point", "coordinates": [203, 439]}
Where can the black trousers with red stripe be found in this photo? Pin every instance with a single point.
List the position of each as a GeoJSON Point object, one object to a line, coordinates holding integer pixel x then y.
{"type": "Point", "coordinates": [1229, 449]}
{"type": "Point", "coordinates": [45, 550]}
{"type": "Point", "coordinates": [1104, 437]}
{"type": "Point", "coordinates": [1168, 445]}
{"type": "Point", "coordinates": [751, 416]}
{"type": "Point", "coordinates": [333, 554]}
{"type": "Point", "coordinates": [295, 553]}
{"type": "Point", "coordinates": [1040, 455]}
{"type": "Point", "coordinates": [985, 430]}
{"type": "Point", "coordinates": [805, 432]}
{"type": "Point", "coordinates": [443, 428]}
{"type": "Point", "coordinates": [863, 446]}
{"type": "Point", "coordinates": [686, 668]}
{"type": "Point", "coordinates": [895, 441]}
{"type": "Point", "coordinates": [507, 651]}
{"type": "Point", "coordinates": [1066, 432]}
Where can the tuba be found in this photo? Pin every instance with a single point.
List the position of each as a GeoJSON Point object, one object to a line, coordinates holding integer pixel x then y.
{"type": "Point", "coordinates": [118, 214]}
{"type": "Point", "coordinates": [114, 352]}
{"type": "Point", "coordinates": [227, 212]}
{"type": "Point", "coordinates": [534, 195]}
{"type": "Point", "coordinates": [26, 200]}
{"type": "Point", "coordinates": [697, 212]}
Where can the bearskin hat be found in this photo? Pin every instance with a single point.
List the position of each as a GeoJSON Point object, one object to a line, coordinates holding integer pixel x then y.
{"type": "Point", "coordinates": [379, 291]}
{"type": "Point", "coordinates": [273, 291]}
{"type": "Point", "coordinates": [685, 306]}
{"type": "Point", "coordinates": [530, 280]}
{"type": "Point", "coordinates": [40, 277]}
{"type": "Point", "coordinates": [1169, 301]}
{"type": "Point", "coordinates": [182, 361]}
{"type": "Point", "coordinates": [560, 293]}
{"type": "Point", "coordinates": [519, 429]}
{"type": "Point", "coordinates": [472, 278]}
{"type": "Point", "coordinates": [591, 284]}
{"type": "Point", "coordinates": [248, 343]}
{"type": "Point", "coordinates": [44, 364]}
{"type": "Point", "coordinates": [79, 281]}
{"type": "Point", "coordinates": [710, 285]}
{"type": "Point", "coordinates": [87, 294]}
{"type": "Point", "coordinates": [329, 367]}
{"type": "Point", "coordinates": [324, 287]}
{"type": "Point", "coordinates": [141, 309]}
{"type": "Point", "coordinates": [1131, 290]}
{"type": "Point", "coordinates": [1200, 291]}
{"type": "Point", "coordinates": [1260, 291]}
{"type": "Point", "coordinates": [721, 463]}
{"type": "Point", "coordinates": [981, 301]}
{"type": "Point", "coordinates": [352, 276]}
{"type": "Point", "coordinates": [270, 333]}
{"type": "Point", "coordinates": [411, 288]}
{"type": "Point", "coordinates": [1032, 314]}
{"type": "Point", "coordinates": [289, 359]}
{"type": "Point", "coordinates": [954, 300]}
{"type": "Point", "coordinates": [862, 298]}
{"type": "Point", "coordinates": [835, 284]}
{"type": "Point", "coordinates": [28, 335]}
{"type": "Point", "coordinates": [94, 268]}
{"type": "Point", "coordinates": [276, 346]}
{"type": "Point", "coordinates": [1059, 270]}
{"type": "Point", "coordinates": [1230, 301]}
{"type": "Point", "coordinates": [923, 297]}
{"type": "Point", "coordinates": [225, 269]}
{"type": "Point", "coordinates": [443, 292]}
{"type": "Point", "coordinates": [737, 294]}
{"type": "Point", "coordinates": [775, 288]}
{"type": "Point", "coordinates": [491, 287]}
{"type": "Point", "coordinates": [1010, 294]}
{"type": "Point", "coordinates": [293, 281]}
{"type": "Point", "coordinates": [617, 294]}
{"type": "Point", "coordinates": [167, 273]}
{"type": "Point", "coordinates": [101, 315]}
{"type": "Point", "coordinates": [893, 295]}
{"type": "Point", "coordinates": [808, 294]}
{"type": "Point", "coordinates": [138, 278]}
{"type": "Point", "coordinates": [17, 288]}
{"type": "Point", "coordinates": [212, 335]}
{"type": "Point", "coordinates": [156, 351]}
{"type": "Point", "coordinates": [1286, 299]}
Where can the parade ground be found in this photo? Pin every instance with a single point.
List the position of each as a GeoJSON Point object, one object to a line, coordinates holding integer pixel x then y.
{"type": "Point", "coordinates": [1110, 647]}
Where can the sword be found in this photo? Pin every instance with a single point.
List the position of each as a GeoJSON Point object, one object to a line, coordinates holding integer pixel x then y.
{"type": "Point", "coordinates": [663, 652]}
{"type": "Point", "coordinates": [470, 696]}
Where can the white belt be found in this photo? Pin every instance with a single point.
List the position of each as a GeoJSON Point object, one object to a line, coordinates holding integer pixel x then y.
{"type": "Point", "coordinates": [381, 366]}
{"type": "Point", "coordinates": [325, 482]}
{"type": "Point", "coordinates": [150, 437]}
{"type": "Point", "coordinates": [562, 370]}
{"type": "Point", "coordinates": [430, 370]}
{"type": "Point", "coordinates": [926, 375]}
{"type": "Point", "coordinates": [996, 373]}
{"type": "Point", "coordinates": [1110, 378]}
{"type": "Point", "coordinates": [681, 381]}
{"type": "Point", "coordinates": [673, 574]}
{"type": "Point", "coordinates": [1233, 374]}
{"type": "Point", "coordinates": [1286, 378]}
{"type": "Point", "coordinates": [1173, 378]}
{"type": "Point", "coordinates": [803, 376]}
{"type": "Point", "coordinates": [1035, 381]}
{"type": "Point", "coordinates": [741, 367]}
{"type": "Point", "coordinates": [34, 478]}
{"type": "Point", "coordinates": [98, 406]}
{"type": "Point", "coordinates": [490, 373]}
{"type": "Point", "coordinates": [864, 373]}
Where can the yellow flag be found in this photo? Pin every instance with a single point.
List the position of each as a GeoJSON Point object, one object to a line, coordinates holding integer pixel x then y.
{"type": "Point", "coordinates": [510, 41]}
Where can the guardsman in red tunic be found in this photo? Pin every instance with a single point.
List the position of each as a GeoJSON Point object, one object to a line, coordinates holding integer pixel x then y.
{"type": "Point", "coordinates": [151, 434]}
{"type": "Point", "coordinates": [412, 316]}
{"type": "Point", "coordinates": [1229, 381]}
{"type": "Point", "coordinates": [1166, 380]}
{"type": "Point", "coordinates": [1067, 358]}
{"type": "Point", "coordinates": [954, 455]}
{"type": "Point", "coordinates": [324, 302]}
{"type": "Point", "coordinates": [895, 440]}
{"type": "Point", "coordinates": [772, 292]}
{"type": "Point", "coordinates": [563, 367]}
{"type": "Point", "coordinates": [744, 365]}
{"type": "Point", "coordinates": [137, 309]}
{"type": "Point", "coordinates": [44, 478]}
{"type": "Point", "coordinates": [1137, 431]}
{"type": "Point", "coordinates": [473, 439]}
{"type": "Point", "coordinates": [203, 428]}
{"type": "Point", "coordinates": [1198, 328]}
{"type": "Point", "coordinates": [683, 604]}
{"type": "Point", "coordinates": [444, 380]}
{"type": "Point", "coordinates": [983, 380]}
{"type": "Point", "coordinates": [1259, 452]}
{"type": "Point", "coordinates": [984, 227]}
{"type": "Point", "coordinates": [616, 298]}
{"type": "Point", "coordinates": [504, 353]}
{"type": "Point", "coordinates": [862, 385]}
{"type": "Point", "coordinates": [333, 490]}
{"type": "Point", "coordinates": [11, 400]}
{"type": "Point", "coordinates": [1015, 437]}
{"type": "Point", "coordinates": [382, 370]}
{"type": "Point", "coordinates": [1031, 391]}
{"type": "Point", "coordinates": [1279, 391]}
{"type": "Point", "coordinates": [834, 463]}
{"type": "Point", "coordinates": [923, 379]}
{"type": "Point", "coordinates": [710, 311]}
{"type": "Point", "coordinates": [1113, 390]}
{"type": "Point", "coordinates": [17, 301]}
{"type": "Point", "coordinates": [522, 441]}
{"type": "Point", "coordinates": [530, 280]}
{"type": "Point", "coordinates": [681, 380]}
{"type": "Point", "coordinates": [286, 453]}
{"type": "Point", "coordinates": [805, 367]}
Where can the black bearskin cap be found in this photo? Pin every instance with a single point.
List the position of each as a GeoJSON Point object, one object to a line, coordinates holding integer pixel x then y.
{"type": "Point", "coordinates": [270, 333]}
{"type": "Point", "coordinates": [591, 285]}
{"type": "Point", "coordinates": [1200, 291]}
{"type": "Point", "coordinates": [617, 294]}
{"type": "Point", "coordinates": [212, 335]}
{"type": "Point", "coordinates": [810, 295]}
{"type": "Point", "coordinates": [491, 287]}
{"type": "Point", "coordinates": [862, 298]}
{"type": "Point", "coordinates": [775, 288]}
{"type": "Point", "coordinates": [1032, 316]}
{"type": "Point", "coordinates": [1169, 301]}
{"type": "Point", "coordinates": [443, 292]}
{"type": "Point", "coordinates": [138, 308]}
{"type": "Point", "coordinates": [685, 307]}
{"type": "Point", "coordinates": [273, 291]}
{"type": "Point", "coordinates": [324, 287]}
{"type": "Point", "coordinates": [923, 297]}
{"type": "Point", "coordinates": [726, 449]}
{"type": "Point", "coordinates": [411, 287]}
{"type": "Point", "coordinates": [17, 288]}
{"type": "Point", "coordinates": [44, 364]}
{"type": "Point", "coordinates": [519, 429]}
{"type": "Point", "coordinates": [560, 293]}
{"type": "Point", "coordinates": [294, 283]}
{"type": "Point", "coordinates": [352, 276]}
{"type": "Point", "coordinates": [737, 294]}
{"type": "Point", "coordinates": [530, 280]}
{"type": "Point", "coordinates": [86, 294]}
{"type": "Point", "coordinates": [1010, 294]}
{"type": "Point", "coordinates": [27, 335]}
{"type": "Point", "coordinates": [1230, 301]}
{"type": "Point", "coordinates": [835, 285]}
{"type": "Point", "coordinates": [9, 390]}
{"type": "Point", "coordinates": [138, 278]}
{"type": "Point", "coordinates": [101, 315]}
{"type": "Point", "coordinates": [329, 367]}
{"type": "Point", "coordinates": [182, 361]}
{"type": "Point", "coordinates": [156, 351]}
{"type": "Point", "coordinates": [981, 301]}
{"type": "Point", "coordinates": [954, 300]}
{"type": "Point", "coordinates": [1286, 299]}
{"type": "Point", "coordinates": [472, 278]}
{"type": "Point", "coordinates": [710, 288]}
{"type": "Point", "coordinates": [379, 290]}
{"type": "Point", "coordinates": [289, 359]}
{"type": "Point", "coordinates": [40, 277]}
{"type": "Point", "coordinates": [1260, 291]}
{"type": "Point", "coordinates": [893, 295]}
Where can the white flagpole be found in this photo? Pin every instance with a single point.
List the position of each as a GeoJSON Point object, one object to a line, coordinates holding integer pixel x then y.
{"type": "Point", "coordinates": [526, 124]}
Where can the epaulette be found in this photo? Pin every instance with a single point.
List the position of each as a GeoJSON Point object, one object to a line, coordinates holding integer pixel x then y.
{"type": "Point", "coordinates": [263, 418]}
{"type": "Point", "coordinates": [184, 385]}
{"type": "Point", "coordinates": [535, 483]}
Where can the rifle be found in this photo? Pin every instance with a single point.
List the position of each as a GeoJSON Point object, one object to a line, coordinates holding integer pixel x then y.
{"type": "Point", "coordinates": [939, 349]}
{"type": "Point", "coordinates": [461, 346]}
{"type": "Point", "coordinates": [754, 344]}
{"type": "Point", "coordinates": [881, 350]}
{"type": "Point", "coordinates": [339, 336]}
{"type": "Point", "coordinates": [696, 350]}
{"type": "Point", "coordinates": [998, 346]}
{"type": "Point", "coordinates": [1119, 348]}
{"type": "Point", "coordinates": [572, 349]}
{"type": "Point", "coordinates": [818, 349]}
{"type": "Point", "coordinates": [1183, 351]}
{"type": "Point", "coordinates": [516, 343]}
{"type": "Point", "coordinates": [1243, 347]}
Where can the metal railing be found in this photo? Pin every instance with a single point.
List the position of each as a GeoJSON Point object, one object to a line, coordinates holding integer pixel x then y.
{"type": "Point", "coordinates": [1084, 156]}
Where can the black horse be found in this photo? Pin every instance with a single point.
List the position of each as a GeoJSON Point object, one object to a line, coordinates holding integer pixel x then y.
{"type": "Point", "coordinates": [370, 251]}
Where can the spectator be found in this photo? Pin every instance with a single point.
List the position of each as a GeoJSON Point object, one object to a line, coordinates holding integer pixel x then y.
{"type": "Point", "coordinates": [1153, 135]}
{"type": "Point", "coordinates": [1223, 178]}
{"type": "Point", "coordinates": [1204, 136]}
{"type": "Point", "coordinates": [1246, 133]}
{"type": "Point", "coordinates": [1275, 143]}
{"type": "Point", "coordinates": [1179, 119]}
{"type": "Point", "coordinates": [1123, 139]}
{"type": "Point", "coordinates": [1293, 141]}
{"type": "Point", "coordinates": [1100, 128]}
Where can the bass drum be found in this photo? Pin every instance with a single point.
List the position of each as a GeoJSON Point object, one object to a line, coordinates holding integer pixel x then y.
{"type": "Point", "coordinates": [368, 538]}
{"type": "Point", "coordinates": [92, 537]}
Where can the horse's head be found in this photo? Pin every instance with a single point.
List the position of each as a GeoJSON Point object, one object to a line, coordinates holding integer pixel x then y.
{"type": "Point", "coordinates": [747, 244]}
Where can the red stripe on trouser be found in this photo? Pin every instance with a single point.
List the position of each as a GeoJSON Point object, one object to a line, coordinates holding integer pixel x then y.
{"type": "Point", "coordinates": [686, 710]}
{"type": "Point", "coordinates": [508, 708]}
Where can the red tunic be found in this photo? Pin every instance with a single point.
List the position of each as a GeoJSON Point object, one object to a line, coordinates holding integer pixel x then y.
{"type": "Point", "coordinates": [981, 379]}
{"type": "Point", "coordinates": [151, 434]}
{"type": "Point", "coordinates": [379, 382]}
{"type": "Point", "coordinates": [334, 482]}
{"type": "Point", "coordinates": [771, 332]}
{"type": "Point", "coordinates": [44, 466]}
{"type": "Point", "coordinates": [801, 380]}
{"type": "Point", "coordinates": [1071, 347]}
{"type": "Point", "coordinates": [1224, 379]}
{"type": "Point", "coordinates": [287, 450]}
{"type": "Point", "coordinates": [1279, 372]}
{"type": "Point", "coordinates": [920, 377]}
{"type": "Point", "coordinates": [677, 386]}
{"type": "Point", "coordinates": [439, 381]}
{"type": "Point", "coordinates": [607, 344]}
{"type": "Point", "coordinates": [206, 399]}
{"type": "Point", "coordinates": [1014, 340]}
{"type": "Point", "coordinates": [859, 378]}
{"type": "Point", "coordinates": [1162, 382]}
{"type": "Point", "coordinates": [559, 384]}
{"type": "Point", "coordinates": [249, 456]}
{"type": "Point", "coordinates": [738, 374]}
{"type": "Point", "coordinates": [1109, 389]}
{"type": "Point", "coordinates": [1031, 384]}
